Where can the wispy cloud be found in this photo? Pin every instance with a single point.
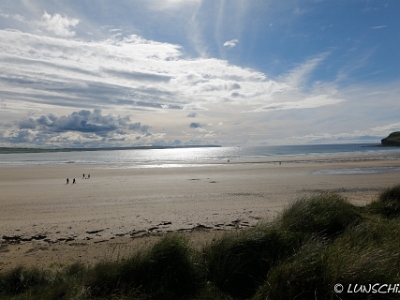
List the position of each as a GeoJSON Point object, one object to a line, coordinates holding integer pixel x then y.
{"type": "Point", "coordinates": [379, 27]}
{"type": "Point", "coordinates": [171, 4]}
{"type": "Point", "coordinates": [374, 134]}
{"type": "Point", "coordinates": [300, 74]}
{"type": "Point", "coordinates": [123, 73]}
{"type": "Point", "coordinates": [16, 17]}
{"type": "Point", "coordinates": [231, 43]}
{"type": "Point", "coordinates": [311, 102]}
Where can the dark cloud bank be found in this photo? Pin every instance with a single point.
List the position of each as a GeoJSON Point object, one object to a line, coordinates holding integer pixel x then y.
{"type": "Point", "coordinates": [84, 122]}
{"type": "Point", "coordinates": [195, 125]}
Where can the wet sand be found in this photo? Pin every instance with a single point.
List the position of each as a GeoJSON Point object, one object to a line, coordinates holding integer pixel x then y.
{"type": "Point", "coordinates": [45, 222]}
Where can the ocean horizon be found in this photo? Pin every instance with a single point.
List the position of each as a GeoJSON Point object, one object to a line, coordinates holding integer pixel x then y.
{"type": "Point", "coordinates": [179, 157]}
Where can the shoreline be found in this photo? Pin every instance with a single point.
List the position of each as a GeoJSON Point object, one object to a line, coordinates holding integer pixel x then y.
{"type": "Point", "coordinates": [192, 157]}
{"type": "Point", "coordinates": [40, 212]}
{"type": "Point", "coordinates": [273, 159]}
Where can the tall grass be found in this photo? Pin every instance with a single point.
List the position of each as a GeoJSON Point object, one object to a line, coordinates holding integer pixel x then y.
{"type": "Point", "coordinates": [237, 263]}
{"type": "Point", "coordinates": [388, 203]}
{"type": "Point", "coordinates": [366, 253]}
{"type": "Point", "coordinates": [170, 270]}
{"type": "Point", "coordinates": [19, 280]}
{"type": "Point", "coordinates": [299, 277]}
{"type": "Point", "coordinates": [22, 283]}
{"type": "Point", "coordinates": [325, 215]}
{"type": "Point", "coordinates": [315, 243]}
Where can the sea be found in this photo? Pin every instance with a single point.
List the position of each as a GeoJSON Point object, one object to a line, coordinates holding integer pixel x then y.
{"type": "Point", "coordinates": [200, 156]}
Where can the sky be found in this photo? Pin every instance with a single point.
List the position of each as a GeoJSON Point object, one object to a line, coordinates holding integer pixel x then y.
{"type": "Point", "coordinates": [84, 73]}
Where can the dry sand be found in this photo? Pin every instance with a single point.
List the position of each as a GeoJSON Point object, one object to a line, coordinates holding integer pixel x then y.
{"type": "Point", "coordinates": [45, 222]}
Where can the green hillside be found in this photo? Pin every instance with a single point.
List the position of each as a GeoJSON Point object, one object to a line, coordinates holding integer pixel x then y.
{"type": "Point", "coordinates": [392, 140]}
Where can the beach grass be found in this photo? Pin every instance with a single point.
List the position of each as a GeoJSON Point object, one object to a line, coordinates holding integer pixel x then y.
{"type": "Point", "coordinates": [238, 262]}
{"type": "Point", "coordinates": [325, 215]}
{"type": "Point", "coordinates": [169, 270]}
{"type": "Point", "coordinates": [315, 243]}
{"type": "Point", "coordinates": [388, 203]}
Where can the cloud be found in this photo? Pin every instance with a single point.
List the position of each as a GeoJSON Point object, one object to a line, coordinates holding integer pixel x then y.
{"type": "Point", "coordinates": [58, 25]}
{"type": "Point", "coordinates": [300, 74]}
{"type": "Point", "coordinates": [195, 125]}
{"type": "Point", "coordinates": [87, 127]}
{"type": "Point", "coordinates": [138, 76]}
{"type": "Point", "coordinates": [16, 17]}
{"type": "Point", "coordinates": [379, 27]}
{"type": "Point", "coordinates": [82, 121]}
{"type": "Point", "coordinates": [369, 135]}
{"type": "Point", "coordinates": [171, 4]}
{"type": "Point", "coordinates": [386, 129]}
{"type": "Point", "coordinates": [139, 127]}
{"type": "Point", "coordinates": [231, 43]}
{"type": "Point", "coordinates": [62, 82]}
{"type": "Point", "coordinates": [131, 72]}
{"type": "Point", "coordinates": [311, 102]}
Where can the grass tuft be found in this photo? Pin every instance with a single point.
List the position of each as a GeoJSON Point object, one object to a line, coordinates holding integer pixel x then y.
{"type": "Point", "coordinates": [237, 263]}
{"type": "Point", "coordinates": [325, 215]}
{"type": "Point", "coordinates": [20, 279]}
{"type": "Point", "coordinates": [388, 204]}
{"type": "Point", "coordinates": [170, 270]}
{"type": "Point", "coordinates": [299, 277]}
{"type": "Point", "coordinates": [367, 253]}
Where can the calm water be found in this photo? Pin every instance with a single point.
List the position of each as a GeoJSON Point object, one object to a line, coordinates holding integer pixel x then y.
{"type": "Point", "coordinates": [191, 156]}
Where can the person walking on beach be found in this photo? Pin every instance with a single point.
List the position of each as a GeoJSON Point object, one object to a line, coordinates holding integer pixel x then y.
{"type": "Point", "coordinates": [83, 176]}
{"type": "Point", "coordinates": [88, 176]}
{"type": "Point", "coordinates": [73, 181]}
{"type": "Point", "coordinates": [67, 180]}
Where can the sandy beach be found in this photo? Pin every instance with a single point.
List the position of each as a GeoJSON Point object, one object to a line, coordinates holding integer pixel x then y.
{"type": "Point", "coordinates": [46, 222]}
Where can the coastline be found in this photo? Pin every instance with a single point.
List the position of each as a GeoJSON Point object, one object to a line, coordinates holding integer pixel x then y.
{"type": "Point", "coordinates": [127, 208]}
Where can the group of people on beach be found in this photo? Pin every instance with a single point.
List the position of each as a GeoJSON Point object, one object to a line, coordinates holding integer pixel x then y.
{"type": "Point", "coordinates": [74, 181]}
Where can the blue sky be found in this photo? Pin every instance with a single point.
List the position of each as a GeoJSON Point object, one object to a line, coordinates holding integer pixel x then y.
{"type": "Point", "coordinates": [179, 72]}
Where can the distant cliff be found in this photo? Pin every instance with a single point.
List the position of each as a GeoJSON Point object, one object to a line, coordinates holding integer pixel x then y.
{"type": "Point", "coordinates": [392, 140]}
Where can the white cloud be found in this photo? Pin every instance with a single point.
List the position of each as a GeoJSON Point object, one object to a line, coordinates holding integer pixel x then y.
{"type": "Point", "coordinates": [379, 27]}
{"type": "Point", "coordinates": [369, 136]}
{"type": "Point", "coordinates": [58, 25]}
{"type": "Point", "coordinates": [43, 75]}
{"type": "Point", "coordinates": [231, 43]}
{"type": "Point", "coordinates": [13, 16]}
{"type": "Point", "coordinates": [311, 102]}
{"type": "Point", "coordinates": [171, 4]}
{"type": "Point", "coordinates": [386, 128]}
{"type": "Point", "coordinates": [136, 74]}
{"type": "Point", "coordinates": [300, 74]}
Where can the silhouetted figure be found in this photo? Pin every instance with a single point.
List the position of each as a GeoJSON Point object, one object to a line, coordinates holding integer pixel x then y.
{"type": "Point", "coordinates": [280, 163]}
{"type": "Point", "coordinates": [73, 181]}
{"type": "Point", "coordinates": [88, 176]}
{"type": "Point", "coordinates": [83, 176]}
{"type": "Point", "coordinates": [67, 180]}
